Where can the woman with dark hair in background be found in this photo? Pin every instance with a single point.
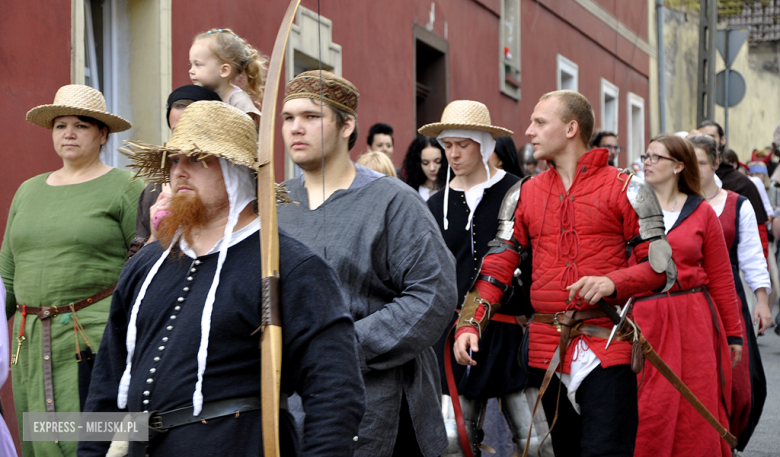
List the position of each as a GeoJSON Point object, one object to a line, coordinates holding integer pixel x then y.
{"type": "Point", "coordinates": [505, 157]}
{"type": "Point", "coordinates": [695, 327]}
{"type": "Point", "coordinates": [425, 166]}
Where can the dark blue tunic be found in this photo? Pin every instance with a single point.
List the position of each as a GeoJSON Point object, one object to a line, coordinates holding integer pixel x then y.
{"type": "Point", "coordinates": [497, 371]}
{"type": "Point", "coordinates": [319, 356]}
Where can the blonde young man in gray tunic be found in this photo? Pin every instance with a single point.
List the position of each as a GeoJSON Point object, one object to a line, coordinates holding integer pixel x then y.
{"type": "Point", "coordinates": [397, 273]}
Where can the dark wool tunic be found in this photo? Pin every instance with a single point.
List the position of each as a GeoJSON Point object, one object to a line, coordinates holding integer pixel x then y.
{"type": "Point", "coordinates": [741, 184]}
{"type": "Point", "coordinates": [399, 278]}
{"type": "Point", "coordinates": [319, 357]}
{"type": "Point", "coordinates": [497, 371]}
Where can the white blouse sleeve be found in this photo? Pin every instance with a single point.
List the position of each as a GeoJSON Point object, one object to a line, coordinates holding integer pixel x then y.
{"type": "Point", "coordinates": [762, 192]}
{"type": "Point", "coordinates": [750, 254]}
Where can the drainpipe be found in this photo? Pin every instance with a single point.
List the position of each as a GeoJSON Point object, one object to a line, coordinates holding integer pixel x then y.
{"type": "Point", "coordinates": [659, 8]}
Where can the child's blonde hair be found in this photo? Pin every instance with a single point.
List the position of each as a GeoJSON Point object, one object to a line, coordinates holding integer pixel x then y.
{"type": "Point", "coordinates": [242, 58]}
{"type": "Point", "coordinates": [377, 161]}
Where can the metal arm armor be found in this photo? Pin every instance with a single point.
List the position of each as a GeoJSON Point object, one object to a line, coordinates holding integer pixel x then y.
{"type": "Point", "coordinates": [506, 222]}
{"type": "Point", "coordinates": [651, 227]}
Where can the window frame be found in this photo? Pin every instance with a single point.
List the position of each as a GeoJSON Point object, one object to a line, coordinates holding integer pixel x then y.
{"type": "Point", "coordinates": [564, 65]}
{"type": "Point", "coordinates": [633, 100]}
{"type": "Point", "coordinates": [302, 48]}
{"type": "Point", "coordinates": [613, 91]}
{"type": "Point", "coordinates": [509, 68]}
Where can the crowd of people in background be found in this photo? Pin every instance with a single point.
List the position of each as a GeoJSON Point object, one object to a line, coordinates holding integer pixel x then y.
{"type": "Point", "coordinates": [692, 159]}
{"type": "Point", "coordinates": [415, 300]}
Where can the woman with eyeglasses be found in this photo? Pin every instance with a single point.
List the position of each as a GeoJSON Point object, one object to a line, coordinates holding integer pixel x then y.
{"type": "Point", "coordinates": [695, 327]}
{"type": "Point", "coordinates": [740, 230]}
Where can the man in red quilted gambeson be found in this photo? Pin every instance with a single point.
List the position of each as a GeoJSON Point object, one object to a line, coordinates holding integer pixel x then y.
{"type": "Point", "coordinates": [582, 221]}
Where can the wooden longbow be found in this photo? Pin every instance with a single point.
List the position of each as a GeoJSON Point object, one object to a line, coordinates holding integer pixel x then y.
{"type": "Point", "coordinates": [271, 338]}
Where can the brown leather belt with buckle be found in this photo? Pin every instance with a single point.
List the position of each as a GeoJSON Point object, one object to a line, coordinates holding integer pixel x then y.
{"type": "Point", "coordinates": [569, 324]}
{"type": "Point", "coordinates": [574, 321]}
{"type": "Point", "coordinates": [44, 313]}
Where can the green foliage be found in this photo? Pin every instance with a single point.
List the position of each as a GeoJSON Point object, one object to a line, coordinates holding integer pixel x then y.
{"type": "Point", "coordinates": [684, 5]}
{"type": "Point", "coordinates": [725, 7]}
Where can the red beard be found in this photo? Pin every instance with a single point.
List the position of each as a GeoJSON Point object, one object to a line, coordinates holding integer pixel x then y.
{"type": "Point", "coordinates": [188, 214]}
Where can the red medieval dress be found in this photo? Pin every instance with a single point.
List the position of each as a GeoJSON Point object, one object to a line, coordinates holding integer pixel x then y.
{"type": "Point", "coordinates": [690, 330]}
{"type": "Point", "coordinates": [748, 390]}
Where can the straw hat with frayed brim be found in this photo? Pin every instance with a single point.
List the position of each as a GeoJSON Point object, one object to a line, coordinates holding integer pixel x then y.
{"type": "Point", "coordinates": [77, 100]}
{"type": "Point", "coordinates": [465, 115]}
{"type": "Point", "coordinates": [206, 128]}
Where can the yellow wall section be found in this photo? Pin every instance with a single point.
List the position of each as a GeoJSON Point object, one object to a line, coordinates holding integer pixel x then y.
{"type": "Point", "coordinates": [752, 121]}
{"type": "Point", "coordinates": [150, 67]}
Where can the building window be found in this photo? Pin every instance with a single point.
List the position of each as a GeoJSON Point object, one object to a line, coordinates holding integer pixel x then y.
{"type": "Point", "coordinates": [93, 41]}
{"type": "Point", "coordinates": [609, 106]}
{"type": "Point", "coordinates": [431, 80]}
{"type": "Point", "coordinates": [509, 71]}
{"type": "Point", "coordinates": [104, 35]}
{"type": "Point", "coordinates": [303, 53]}
{"type": "Point", "coordinates": [636, 127]}
{"type": "Point", "coordinates": [567, 72]}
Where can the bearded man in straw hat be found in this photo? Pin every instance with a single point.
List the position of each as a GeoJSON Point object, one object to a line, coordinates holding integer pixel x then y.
{"type": "Point", "coordinates": [578, 218]}
{"type": "Point", "coordinates": [395, 269]}
{"type": "Point", "coordinates": [467, 213]}
{"type": "Point", "coordinates": [181, 340]}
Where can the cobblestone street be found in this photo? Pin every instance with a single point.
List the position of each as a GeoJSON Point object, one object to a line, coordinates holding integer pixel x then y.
{"type": "Point", "coordinates": [765, 441]}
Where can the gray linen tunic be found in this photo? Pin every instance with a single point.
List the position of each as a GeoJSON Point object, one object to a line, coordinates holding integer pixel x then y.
{"type": "Point", "coordinates": [400, 282]}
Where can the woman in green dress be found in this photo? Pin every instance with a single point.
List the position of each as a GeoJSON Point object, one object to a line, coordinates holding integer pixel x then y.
{"type": "Point", "coordinates": [65, 243]}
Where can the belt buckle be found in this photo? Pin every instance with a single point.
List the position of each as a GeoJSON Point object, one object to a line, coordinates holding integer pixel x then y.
{"type": "Point", "coordinates": [555, 321]}
{"type": "Point", "coordinates": [155, 421]}
{"type": "Point", "coordinates": [50, 311]}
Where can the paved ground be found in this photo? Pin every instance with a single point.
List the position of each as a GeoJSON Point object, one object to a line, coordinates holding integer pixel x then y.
{"type": "Point", "coordinates": [766, 439]}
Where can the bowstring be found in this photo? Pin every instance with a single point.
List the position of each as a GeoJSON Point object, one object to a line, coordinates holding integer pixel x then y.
{"type": "Point", "coordinates": [322, 128]}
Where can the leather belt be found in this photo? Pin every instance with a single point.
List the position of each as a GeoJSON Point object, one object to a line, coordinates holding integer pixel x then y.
{"type": "Point", "coordinates": [211, 410]}
{"type": "Point", "coordinates": [160, 423]}
{"type": "Point", "coordinates": [577, 327]}
{"type": "Point", "coordinates": [670, 294]}
{"type": "Point", "coordinates": [46, 312]}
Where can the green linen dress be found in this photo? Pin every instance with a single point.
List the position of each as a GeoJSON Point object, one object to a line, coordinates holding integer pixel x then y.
{"type": "Point", "coordinates": [62, 244]}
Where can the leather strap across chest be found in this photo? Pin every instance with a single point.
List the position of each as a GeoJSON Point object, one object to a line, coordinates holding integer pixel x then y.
{"type": "Point", "coordinates": [44, 313]}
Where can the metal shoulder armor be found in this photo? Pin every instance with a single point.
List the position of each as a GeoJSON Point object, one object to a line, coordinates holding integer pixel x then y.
{"type": "Point", "coordinates": [506, 222]}
{"type": "Point", "coordinates": [651, 228]}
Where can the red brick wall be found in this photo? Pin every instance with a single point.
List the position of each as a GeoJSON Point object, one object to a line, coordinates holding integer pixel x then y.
{"type": "Point", "coordinates": [34, 63]}
{"type": "Point", "coordinates": [378, 53]}
{"type": "Point", "coordinates": [378, 46]}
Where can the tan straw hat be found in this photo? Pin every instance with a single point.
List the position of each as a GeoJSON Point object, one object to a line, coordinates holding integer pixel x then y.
{"type": "Point", "coordinates": [205, 128]}
{"type": "Point", "coordinates": [464, 115]}
{"type": "Point", "coordinates": [77, 100]}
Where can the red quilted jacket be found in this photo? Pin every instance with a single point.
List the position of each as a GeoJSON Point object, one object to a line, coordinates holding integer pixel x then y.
{"type": "Point", "coordinates": [582, 232]}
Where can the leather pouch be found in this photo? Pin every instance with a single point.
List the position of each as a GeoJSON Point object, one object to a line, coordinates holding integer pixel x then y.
{"type": "Point", "coordinates": [522, 352]}
{"type": "Point", "coordinates": [637, 358]}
